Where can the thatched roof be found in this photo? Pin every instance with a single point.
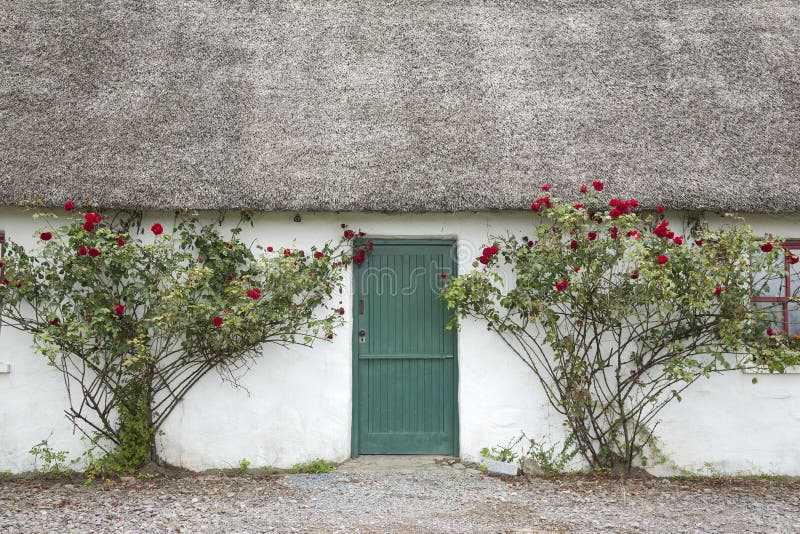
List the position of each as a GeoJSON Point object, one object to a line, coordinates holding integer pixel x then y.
{"type": "Point", "coordinates": [412, 106]}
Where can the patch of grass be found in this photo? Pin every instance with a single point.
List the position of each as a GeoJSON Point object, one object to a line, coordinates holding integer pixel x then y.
{"type": "Point", "coordinates": [5, 474]}
{"type": "Point", "coordinates": [316, 466]}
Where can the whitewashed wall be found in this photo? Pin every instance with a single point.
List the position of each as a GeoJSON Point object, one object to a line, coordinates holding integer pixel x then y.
{"type": "Point", "coordinates": [297, 403]}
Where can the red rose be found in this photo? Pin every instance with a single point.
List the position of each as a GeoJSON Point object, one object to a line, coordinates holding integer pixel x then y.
{"type": "Point", "coordinates": [598, 185]}
{"type": "Point", "coordinates": [5, 281]}
{"type": "Point", "coordinates": [577, 269]}
{"type": "Point", "coordinates": [360, 256]}
{"type": "Point", "coordinates": [319, 255]}
{"type": "Point", "coordinates": [69, 205]}
{"type": "Point", "coordinates": [670, 234]}
{"type": "Point", "coordinates": [634, 275]}
{"type": "Point", "coordinates": [530, 243]}
{"type": "Point", "coordinates": [660, 209]}
{"type": "Point", "coordinates": [119, 309]}
{"type": "Point", "coordinates": [484, 260]}
{"type": "Point", "coordinates": [698, 242]}
{"type": "Point", "coordinates": [494, 249]}
{"type": "Point", "coordinates": [766, 247]}
{"type": "Point", "coordinates": [228, 245]}
{"type": "Point", "coordinates": [254, 293]}
{"type": "Point", "coordinates": [120, 242]}
{"type": "Point", "coordinates": [230, 277]}
{"type": "Point", "coordinates": [561, 285]}
{"type": "Point", "coordinates": [771, 332]}
{"type": "Point", "coordinates": [88, 226]}
{"type": "Point", "coordinates": [662, 259]}
{"type": "Point", "coordinates": [287, 252]}
{"type": "Point", "coordinates": [157, 229]}
{"type": "Point", "coordinates": [613, 232]}
{"type": "Point", "coordinates": [93, 252]}
{"type": "Point", "coordinates": [793, 258]}
{"type": "Point", "coordinates": [718, 290]}
{"type": "Point", "coordinates": [270, 249]}
{"type": "Point", "coordinates": [82, 251]}
{"type": "Point", "coordinates": [46, 236]}
{"type": "Point", "coordinates": [546, 187]}
{"type": "Point", "coordinates": [634, 234]}
{"type": "Point", "coordinates": [573, 244]}
{"type": "Point", "coordinates": [330, 336]}
{"type": "Point", "coordinates": [592, 236]}
{"type": "Point", "coordinates": [370, 246]}
{"type": "Point", "coordinates": [56, 321]}
{"type": "Point", "coordinates": [92, 218]}
{"type": "Point", "coordinates": [615, 213]}
{"type": "Point", "coordinates": [578, 206]}
{"type": "Point", "coordinates": [583, 188]}
{"type": "Point", "coordinates": [349, 234]}
{"type": "Point", "coordinates": [678, 240]}
{"type": "Point", "coordinates": [341, 311]}
{"type": "Point", "coordinates": [443, 276]}
{"type": "Point", "coordinates": [217, 321]}
{"type": "Point", "coordinates": [535, 207]}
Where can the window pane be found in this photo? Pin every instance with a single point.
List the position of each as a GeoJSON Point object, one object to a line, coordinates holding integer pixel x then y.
{"type": "Point", "coordinates": [794, 319]}
{"type": "Point", "coordinates": [773, 314]}
{"type": "Point", "coordinates": [794, 274]}
{"type": "Point", "coordinates": [771, 286]}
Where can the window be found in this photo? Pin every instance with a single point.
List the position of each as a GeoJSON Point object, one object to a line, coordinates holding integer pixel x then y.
{"type": "Point", "coordinates": [781, 301]}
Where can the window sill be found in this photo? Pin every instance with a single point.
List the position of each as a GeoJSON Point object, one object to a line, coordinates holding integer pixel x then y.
{"type": "Point", "coordinates": [791, 370]}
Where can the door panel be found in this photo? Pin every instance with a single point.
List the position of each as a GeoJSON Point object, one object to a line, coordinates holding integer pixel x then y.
{"type": "Point", "coordinates": [406, 365]}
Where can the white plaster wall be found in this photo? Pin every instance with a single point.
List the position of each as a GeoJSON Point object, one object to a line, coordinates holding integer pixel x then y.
{"type": "Point", "coordinates": [297, 402]}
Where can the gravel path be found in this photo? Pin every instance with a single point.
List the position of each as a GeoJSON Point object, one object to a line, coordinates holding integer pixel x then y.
{"type": "Point", "coordinates": [436, 500]}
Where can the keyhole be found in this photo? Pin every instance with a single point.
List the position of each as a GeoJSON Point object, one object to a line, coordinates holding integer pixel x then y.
{"type": "Point", "coordinates": [362, 336]}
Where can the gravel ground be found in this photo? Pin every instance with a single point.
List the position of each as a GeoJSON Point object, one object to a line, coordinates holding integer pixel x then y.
{"type": "Point", "coordinates": [430, 501]}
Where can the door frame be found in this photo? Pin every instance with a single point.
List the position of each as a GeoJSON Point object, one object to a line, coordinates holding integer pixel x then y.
{"type": "Point", "coordinates": [354, 429]}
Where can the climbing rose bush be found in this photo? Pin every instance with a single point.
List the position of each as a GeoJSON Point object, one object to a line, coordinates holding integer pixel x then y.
{"type": "Point", "coordinates": [617, 312]}
{"type": "Point", "coordinates": [135, 317]}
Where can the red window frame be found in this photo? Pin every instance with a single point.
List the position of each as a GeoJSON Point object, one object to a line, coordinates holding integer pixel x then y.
{"type": "Point", "coordinates": [788, 246]}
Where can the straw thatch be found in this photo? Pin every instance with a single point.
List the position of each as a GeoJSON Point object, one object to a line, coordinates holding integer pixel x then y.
{"type": "Point", "coordinates": [407, 106]}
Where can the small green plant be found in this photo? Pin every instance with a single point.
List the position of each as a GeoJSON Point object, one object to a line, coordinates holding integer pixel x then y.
{"type": "Point", "coordinates": [5, 474]}
{"type": "Point", "coordinates": [552, 459]}
{"type": "Point", "coordinates": [503, 453]}
{"type": "Point", "coordinates": [316, 466]}
{"type": "Point", "coordinates": [54, 464]}
{"type": "Point", "coordinates": [482, 468]}
{"type": "Point", "coordinates": [244, 465]}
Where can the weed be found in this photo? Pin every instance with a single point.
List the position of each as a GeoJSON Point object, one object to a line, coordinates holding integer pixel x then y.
{"type": "Point", "coordinates": [550, 459]}
{"type": "Point", "coordinates": [316, 466]}
{"type": "Point", "coordinates": [244, 465]}
{"type": "Point", "coordinates": [54, 464]}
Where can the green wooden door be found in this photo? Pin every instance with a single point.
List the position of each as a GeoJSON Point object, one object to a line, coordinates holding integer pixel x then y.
{"type": "Point", "coordinates": [405, 372]}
